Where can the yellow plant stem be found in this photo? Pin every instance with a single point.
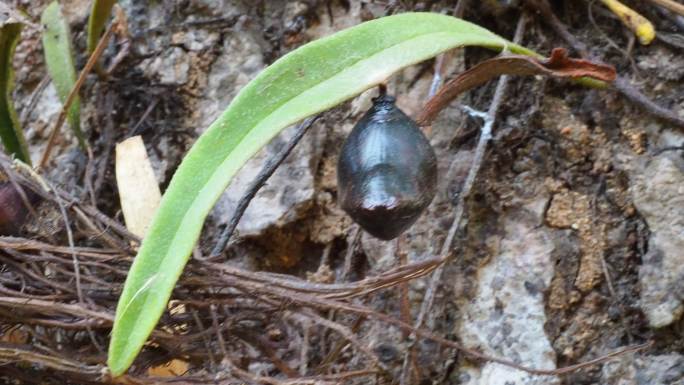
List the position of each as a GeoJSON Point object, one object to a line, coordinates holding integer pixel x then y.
{"type": "Point", "coordinates": [640, 25]}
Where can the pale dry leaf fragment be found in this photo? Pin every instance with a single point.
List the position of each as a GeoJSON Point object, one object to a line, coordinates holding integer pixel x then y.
{"type": "Point", "coordinates": [173, 368]}
{"type": "Point", "coordinates": [138, 189]}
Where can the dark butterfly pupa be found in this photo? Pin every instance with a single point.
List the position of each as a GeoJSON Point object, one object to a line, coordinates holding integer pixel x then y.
{"type": "Point", "coordinates": [387, 171]}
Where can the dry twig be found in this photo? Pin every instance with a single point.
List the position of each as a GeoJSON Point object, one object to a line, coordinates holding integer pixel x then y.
{"type": "Point", "coordinates": [670, 5]}
{"type": "Point", "coordinates": [269, 168]}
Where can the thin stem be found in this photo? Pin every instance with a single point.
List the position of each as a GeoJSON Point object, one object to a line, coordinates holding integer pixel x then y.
{"type": "Point", "coordinates": [670, 5]}
{"type": "Point", "coordinates": [258, 182]}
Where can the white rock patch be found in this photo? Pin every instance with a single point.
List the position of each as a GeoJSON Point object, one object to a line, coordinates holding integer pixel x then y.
{"type": "Point", "coordinates": [506, 318]}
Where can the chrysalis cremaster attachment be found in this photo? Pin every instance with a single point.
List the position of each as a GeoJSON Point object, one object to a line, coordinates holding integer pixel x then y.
{"type": "Point", "coordinates": [387, 171]}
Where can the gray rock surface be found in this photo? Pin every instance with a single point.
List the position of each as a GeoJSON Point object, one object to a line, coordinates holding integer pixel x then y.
{"type": "Point", "coordinates": [170, 68]}
{"type": "Point", "coordinates": [665, 369]}
{"type": "Point", "coordinates": [506, 317]}
{"type": "Point", "coordinates": [658, 194]}
{"type": "Point", "coordinates": [290, 190]}
{"type": "Point", "coordinates": [41, 121]}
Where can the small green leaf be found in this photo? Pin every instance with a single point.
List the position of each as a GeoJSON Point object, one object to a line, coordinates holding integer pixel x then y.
{"type": "Point", "coordinates": [99, 14]}
{"type": "Point", "coordinates": [10, 129]}
{"type": "Point", "coordinates": [311, 79]}
{"type": "Point", "coordinates": [60, 63]}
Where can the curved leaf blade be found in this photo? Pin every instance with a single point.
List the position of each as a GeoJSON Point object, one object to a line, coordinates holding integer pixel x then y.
{"type": "Point", "coordinates": [99, 14]}
{"type": "Point", "coordinates": [59, 59]}
{"type": "Point", "coordinates": [10, 128]}
{"type": "Point", "coordinates": [311, 79]}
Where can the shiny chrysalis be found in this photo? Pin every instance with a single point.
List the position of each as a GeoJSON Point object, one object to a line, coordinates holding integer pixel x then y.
{"type": "Point", "coordinates": [387, 171]}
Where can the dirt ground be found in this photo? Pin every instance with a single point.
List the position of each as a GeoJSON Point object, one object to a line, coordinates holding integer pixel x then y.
{"type": "Point", "coordinates": [570, 247]}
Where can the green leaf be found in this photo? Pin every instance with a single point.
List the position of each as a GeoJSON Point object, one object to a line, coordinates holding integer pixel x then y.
{"type": "Point", "coordinates": [10, 129]}
{"type": "Point", "coordinates": [99, 14]}
{"type": "Point", "coordinates": [60, 62]}
{"type": "Point", "coordinates": [310, 79]}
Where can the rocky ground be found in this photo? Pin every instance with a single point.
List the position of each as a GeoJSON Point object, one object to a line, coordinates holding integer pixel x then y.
{"type": "Point", "coordinates": [573, 237]}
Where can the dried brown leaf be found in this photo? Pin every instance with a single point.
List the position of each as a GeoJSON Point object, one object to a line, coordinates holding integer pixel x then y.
{"type": "Point", "coordinates": [558, 65]}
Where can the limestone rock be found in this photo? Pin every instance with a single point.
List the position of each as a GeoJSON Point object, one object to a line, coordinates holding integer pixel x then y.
{"type": "Point", "coordinates": [506, 318]}
{"type": "Point", "coordinates": [658, 194]}
{"type": "Point", "coordinates": [666, 369]}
